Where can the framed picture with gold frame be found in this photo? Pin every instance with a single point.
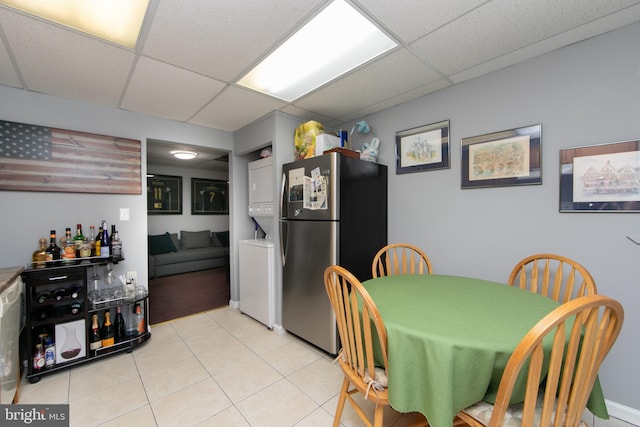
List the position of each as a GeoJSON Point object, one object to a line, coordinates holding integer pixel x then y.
{"type": "Point", "coordinates": [164, 195]}
{"type": "Point", "coordinates": [209, 197]}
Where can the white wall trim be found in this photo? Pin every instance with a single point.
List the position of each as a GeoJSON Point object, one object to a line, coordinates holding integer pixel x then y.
{"type": "Point", "coordinates": [624, 413]}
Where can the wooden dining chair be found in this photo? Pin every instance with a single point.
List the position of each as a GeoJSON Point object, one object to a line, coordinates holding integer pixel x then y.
{"type": "Point", "coordinates": [358, 327]}
{"type": "Point", "coordinates": [400, 258]}
{"type": "Point", "coordinates": [556, 396]}
{"type": "Point", "coordinates": [553, 276]}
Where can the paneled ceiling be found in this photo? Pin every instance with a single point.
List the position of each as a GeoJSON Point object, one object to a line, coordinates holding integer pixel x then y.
{"type": "Point", "coordinates": [191, 52]}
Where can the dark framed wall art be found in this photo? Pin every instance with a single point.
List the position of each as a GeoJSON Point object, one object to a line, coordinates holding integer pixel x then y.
{"type": "Point", "coordinates": [209, 197]}
{"type": "Point", "coordinates": [600, 178]}
{"type": "Point", "coordinates": [423, 148]}
{"type": "Point", "coordinates": [164, 195]}
{"type": "Point", "coordinates": [510, 157]}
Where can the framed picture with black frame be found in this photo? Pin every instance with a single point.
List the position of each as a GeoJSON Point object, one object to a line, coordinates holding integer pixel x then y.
{"type": "Point", "coordinates": [209, 197]}
{"type": "Point", "coordinates": [164, 195]}
{"type": "Point", "coordinates": [505, 158]}
{"type": "Point", "coordinates": [423, 148]}
{"type": "Point", "coordinates": [600, 178]}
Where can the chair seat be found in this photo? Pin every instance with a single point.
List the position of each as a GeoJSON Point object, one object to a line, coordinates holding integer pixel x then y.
{"type": "Point", "coordinates": [482, 411]}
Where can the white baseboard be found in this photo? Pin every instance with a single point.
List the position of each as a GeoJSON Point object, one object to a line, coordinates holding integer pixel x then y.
{"type": "Point", "coordinates": [234, 304]}
{"type": "Point", "coordinates": [278, 329]}
{"type": "Point", "coordinates": [624, 413]}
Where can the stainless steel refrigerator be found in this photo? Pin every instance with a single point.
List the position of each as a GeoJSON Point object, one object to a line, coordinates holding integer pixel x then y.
{"type": "Point", "coordinates": [334, 211]}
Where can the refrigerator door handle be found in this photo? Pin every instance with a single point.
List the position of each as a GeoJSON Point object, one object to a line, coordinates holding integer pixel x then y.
{"type": "Point", "coordinates": [283, 241]}
{"type": "Point", "coordinates": [283, 233]}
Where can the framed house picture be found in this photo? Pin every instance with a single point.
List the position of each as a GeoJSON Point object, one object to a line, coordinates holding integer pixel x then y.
{"type": "Point", "coordinates": [600, 178]}
{"type": "Point", "coordinates": [209, 197]}
{"type": "Point", "coordinates": [164, 195]}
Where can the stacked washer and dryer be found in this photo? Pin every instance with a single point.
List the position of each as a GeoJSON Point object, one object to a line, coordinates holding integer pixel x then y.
{"type": "Point", "coordinates": [257, 255]}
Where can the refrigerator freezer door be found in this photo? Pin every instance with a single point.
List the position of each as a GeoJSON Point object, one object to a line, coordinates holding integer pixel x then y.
{"type": "Point", "coordinates": [310, 247]}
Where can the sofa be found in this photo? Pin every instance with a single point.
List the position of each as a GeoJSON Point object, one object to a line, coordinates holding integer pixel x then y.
{"type": "Point", "coordinates": [190, 251]}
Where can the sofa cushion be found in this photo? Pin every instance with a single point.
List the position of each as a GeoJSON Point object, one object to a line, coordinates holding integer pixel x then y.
{"type": "Point", "coordinates": [188, 255]}
{"type": "Point", "coordinates": [161, 244]}
{"type": "Point", "coordinates": [195, 239]}
{"type": "Point", "coordinates": [222, 237]}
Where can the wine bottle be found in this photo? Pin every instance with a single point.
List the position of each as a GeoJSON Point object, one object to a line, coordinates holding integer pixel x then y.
{"type": "Point", "coordinates": [49, 352]}
{"type": "Point", "coordinates": [119, 326]}
{"type": "Point", "coordinates": [58, 294]}
{"type": "Point", "coordinates": [39, 256]}
{"type": "Point", "coordinates": [104, 240]}
{"type": "Point", "coordinates": [74, 307]}
{"type": "Point", "coordinates": [53, 250]}
{"type": "Point", "coordinates": [43, 296]}
{"type": "Point", "coordinates": [95, 341]}
{"type": "Point", "coordinates": [75, 291]}
{"type": "Point", "coordinates": [38, 358]}
{"type": "Point", "coordinates": [107, 334]}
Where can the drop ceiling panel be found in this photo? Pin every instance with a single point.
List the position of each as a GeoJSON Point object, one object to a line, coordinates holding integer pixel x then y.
{"type": "Point", "coordinates": [504, 26]}
{"type": "Point", "coordinates": [162, 90]}
{"type": "Point", "coordinates": [8, 75]}
{"type": "Point", "coordinates": [234, 108]}
{"type": "Point", "coordinates": [412, 19]}
{"type": "Point", "coordinates": [63, 62]}
{"type": "Point", "coordinates": [221, 38]}
{"type": "Point", "coordinates": [394, 74]}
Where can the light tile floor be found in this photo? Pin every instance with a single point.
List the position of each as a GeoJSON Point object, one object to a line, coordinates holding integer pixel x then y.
{"type": "Point", "coordinates": [218, 368]}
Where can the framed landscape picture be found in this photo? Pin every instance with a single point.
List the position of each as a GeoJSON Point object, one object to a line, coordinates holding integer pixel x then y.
{"type": "Point", "coordinates": [510, 157]}
{"type": "Point", "coordinates": [164, 195]}
{"type": "Point", "coordinates": [600, 178]}
{"type": "Point", "coordinates": [209, 197]}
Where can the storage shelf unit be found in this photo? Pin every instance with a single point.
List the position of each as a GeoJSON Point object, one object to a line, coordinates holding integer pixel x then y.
{"type": "Point", "coordinates": [55, 317]}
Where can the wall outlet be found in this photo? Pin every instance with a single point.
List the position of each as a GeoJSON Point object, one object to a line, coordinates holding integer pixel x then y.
{"type": "Point", "coordinates": [132, 276]}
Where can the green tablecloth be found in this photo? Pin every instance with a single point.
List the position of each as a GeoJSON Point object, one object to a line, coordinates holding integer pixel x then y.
{"type": "Point", "coordinates": [449, 339]}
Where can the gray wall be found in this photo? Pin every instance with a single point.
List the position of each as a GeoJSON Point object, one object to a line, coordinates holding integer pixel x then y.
{"type": "Point", "coordinates": [27, 216]}
{"type": "Point", "coordinates": [586, 94]}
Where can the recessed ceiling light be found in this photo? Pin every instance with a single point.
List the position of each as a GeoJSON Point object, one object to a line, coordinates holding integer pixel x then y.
{"type": "Point", "coordinates": [118, 21]}
{"type": "Point", "coordinates": [184, 155]}
{"type": "Point", "coordinates": [335, 41]}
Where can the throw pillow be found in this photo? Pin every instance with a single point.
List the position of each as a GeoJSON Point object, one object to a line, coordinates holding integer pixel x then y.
{"type": "Point", "coordinates": [195, 239]}
{"type": "Point", "coordinates": [223, 238]}
{"type": "Point", "coordinates": [161, 244]}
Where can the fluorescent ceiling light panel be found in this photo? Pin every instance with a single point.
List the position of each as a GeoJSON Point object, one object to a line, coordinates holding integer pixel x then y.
{"type": "Point", "coordinates": [118, 21]}
{"type": "Point", "coordinates": [334, 42]}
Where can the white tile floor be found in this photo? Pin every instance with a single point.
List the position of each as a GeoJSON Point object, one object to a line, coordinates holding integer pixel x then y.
{"type": "Point", "coordinates": [219, 368]}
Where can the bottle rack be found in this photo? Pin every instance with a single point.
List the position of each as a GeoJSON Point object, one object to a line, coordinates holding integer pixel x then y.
{"type": "Point", "coordinates": [55, 317]}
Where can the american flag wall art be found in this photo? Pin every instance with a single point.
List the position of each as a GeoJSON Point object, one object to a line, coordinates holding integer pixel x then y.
{"type": "Point", "coordinates": [40, 158]}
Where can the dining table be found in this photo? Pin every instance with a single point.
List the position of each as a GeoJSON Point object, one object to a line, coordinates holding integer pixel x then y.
{"type": "Point", "coordinates": [449, 339]}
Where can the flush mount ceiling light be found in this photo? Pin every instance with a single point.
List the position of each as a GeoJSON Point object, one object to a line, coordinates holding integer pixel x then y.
{"type": "Point", "coordinates": [334, 42]}
{"type": "Point", "coordinates": [118, 21]}
{"type": "Point", "coordinates": [184, 155]}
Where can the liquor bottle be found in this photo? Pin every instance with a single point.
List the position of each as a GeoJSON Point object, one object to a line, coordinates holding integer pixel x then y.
{"type": "Point", "coordinates": [107, 334]}
{"type": "Point", "coordinates": [95, 341]}
{"type": "Point", "coordinates": [104, 240]}
{"type": "Point", "coordinates": [92, 240]}
{"type": "Point", "coordinates": [38, 358]}
{"type": "Point", "coordinates": [140, 320]}
{"type": "Point", "coordinates": [78, 239]}
{"type": "Point", "coordinates": [131, 326]}
{"type": "Point", "coordinates": [43, 296]}
{"type": "Point", "coordinates": [68, 245]}
{"type": "Point", "coordinates": [49, 352]}
{"type": "Point", "coordinates": [119, 326]}
{"type": "Point", "coordinates": [53, 250]}
{"type": "Point", "coordinates": [74, 307]}
{"type": "Point", "coordinates": [58, 294]}
{"type": "Point", "coordinates": [98, 242]}
{"type": "Point", "coordinates": [39, 256]}
{"type": "Point", "coordinates": [116, 245]}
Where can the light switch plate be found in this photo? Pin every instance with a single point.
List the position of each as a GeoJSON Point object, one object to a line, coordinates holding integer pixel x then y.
{"type": "Point", "coordinates": [124, 214]}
